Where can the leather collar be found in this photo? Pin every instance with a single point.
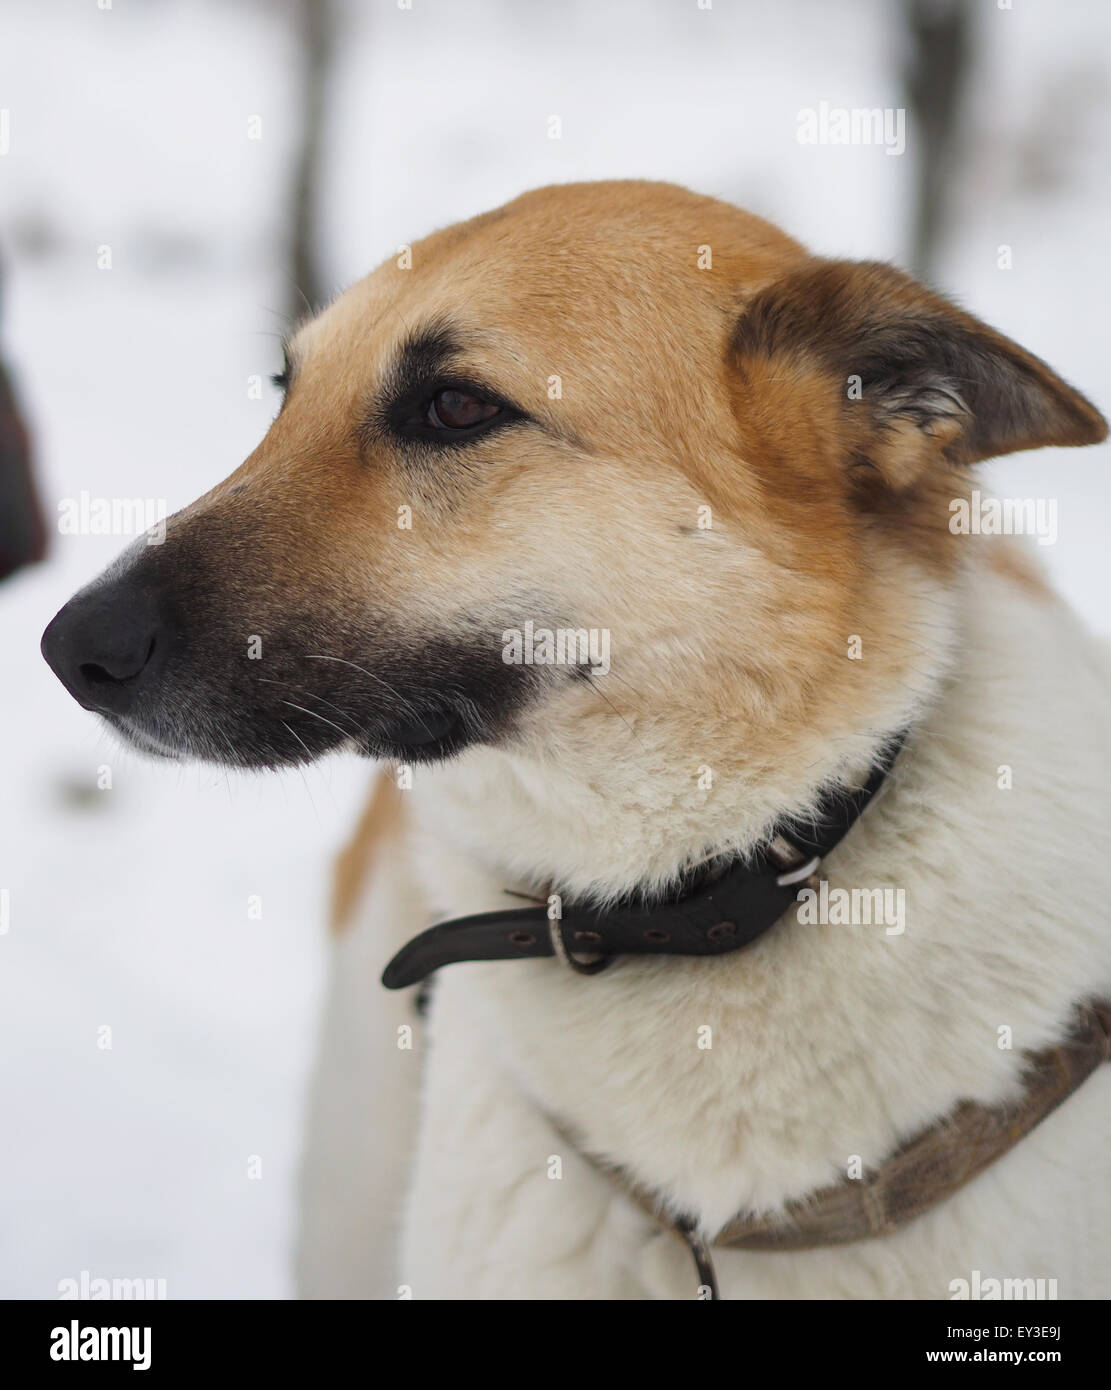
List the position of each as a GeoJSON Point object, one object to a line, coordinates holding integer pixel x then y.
{"type": "Point", "coordinates": [711, 914]}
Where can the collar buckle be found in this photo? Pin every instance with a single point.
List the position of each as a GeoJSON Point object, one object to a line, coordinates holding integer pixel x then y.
{"type": "Point", "coordinates": [588, 965]}
{"type": "Point", "coordinates": [792, 862]}
{"type": "Point", "coordinates": [804, 871]}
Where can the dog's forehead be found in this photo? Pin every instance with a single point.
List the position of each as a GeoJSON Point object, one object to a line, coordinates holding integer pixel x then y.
{"type": "Point", "coordinates": [577, 270]}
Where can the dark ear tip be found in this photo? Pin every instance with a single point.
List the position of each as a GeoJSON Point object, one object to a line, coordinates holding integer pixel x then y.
{"type": "Point", "coordinates": [1098, 431]}
{"type": "Point", "coordinates": [1088, 425]}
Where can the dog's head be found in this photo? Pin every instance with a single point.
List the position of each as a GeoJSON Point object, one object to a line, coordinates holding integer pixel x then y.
{"type": "Point", "coordinates": [613, 449]}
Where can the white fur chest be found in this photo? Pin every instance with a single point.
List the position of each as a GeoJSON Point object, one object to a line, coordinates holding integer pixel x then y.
{"type": "Point", "coordinates": [747, 1080]}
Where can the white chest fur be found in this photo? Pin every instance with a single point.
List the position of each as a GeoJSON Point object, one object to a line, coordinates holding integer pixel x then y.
{"type": "Point", "coordinates": [747, 1080]}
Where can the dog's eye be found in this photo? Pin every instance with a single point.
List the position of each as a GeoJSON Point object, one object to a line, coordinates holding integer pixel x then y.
{"type": "Point", "coordinates": [449, 413]}
{"type": "Point", "coordinates": [282, 379]}
{"type": "Point", "coordinates": [459, 410]}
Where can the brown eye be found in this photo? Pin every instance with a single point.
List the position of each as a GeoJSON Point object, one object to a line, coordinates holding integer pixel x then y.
{"type": "Point", "coordinates": [449, 416]}
{"type": "Point", "coordinates": [458, 410]}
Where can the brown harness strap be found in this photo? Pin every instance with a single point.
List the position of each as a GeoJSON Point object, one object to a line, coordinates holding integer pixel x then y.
{"type": "Point", "coordinates": [918, 1176]}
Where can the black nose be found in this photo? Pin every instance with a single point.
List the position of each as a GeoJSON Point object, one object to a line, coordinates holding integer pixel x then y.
{"type": "Point", "coordinates": [105, 645]}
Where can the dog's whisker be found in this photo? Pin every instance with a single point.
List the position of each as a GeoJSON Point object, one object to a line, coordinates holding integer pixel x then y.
{"type": "Point", "coordinates": [602, 696]}
{"type": "Point", "coordinates": [409, 707]}
{"type": "Point", "coordinates": [291, 730]}
{"type": "Point", "coordinates": [308, 751]}
{"type": "Point", "coordinates": [345, 732]}
{"type": "Point", "coordinates": [311, 695]}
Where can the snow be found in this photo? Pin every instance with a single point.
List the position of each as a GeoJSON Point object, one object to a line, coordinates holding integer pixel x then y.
{"type": "Point", "coordinates": [129, 129]}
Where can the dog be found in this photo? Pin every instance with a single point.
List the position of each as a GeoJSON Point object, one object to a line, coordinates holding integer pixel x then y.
{"type": "Point", "coordinates": [733, 472]}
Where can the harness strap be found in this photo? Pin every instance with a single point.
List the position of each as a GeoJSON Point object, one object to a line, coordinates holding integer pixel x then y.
{"type": "Point", "coordinates": [918, 1176]}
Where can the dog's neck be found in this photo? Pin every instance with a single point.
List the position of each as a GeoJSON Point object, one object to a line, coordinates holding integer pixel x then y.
{"type": "Point", "coordinates": [615, 793]}
{"type": "Point", "coordinates": [600, 835]}
{"type": "Point", "coordinates": [879, 1011]}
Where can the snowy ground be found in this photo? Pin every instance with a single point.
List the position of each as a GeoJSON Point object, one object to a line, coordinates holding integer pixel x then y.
{"type": "Point", "coordinates": [128, 129]}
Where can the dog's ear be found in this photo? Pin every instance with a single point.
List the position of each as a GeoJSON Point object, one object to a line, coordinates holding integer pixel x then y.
{"type": "Point", "coordinates": [918, 379]}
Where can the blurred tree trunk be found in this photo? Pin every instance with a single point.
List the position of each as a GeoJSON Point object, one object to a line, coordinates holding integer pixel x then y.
{"type": "Point", "coordinates": [939, 62]}
{"type": "Point", "coordinates": [315, 22]}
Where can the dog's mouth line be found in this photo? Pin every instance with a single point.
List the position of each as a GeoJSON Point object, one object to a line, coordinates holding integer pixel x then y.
{"type": "Point", "coordinates": [140, 737]}
{"type": "Point", "coordinates": [426, 735]}
{"type": "Point", "coordinates": [419, 731]}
